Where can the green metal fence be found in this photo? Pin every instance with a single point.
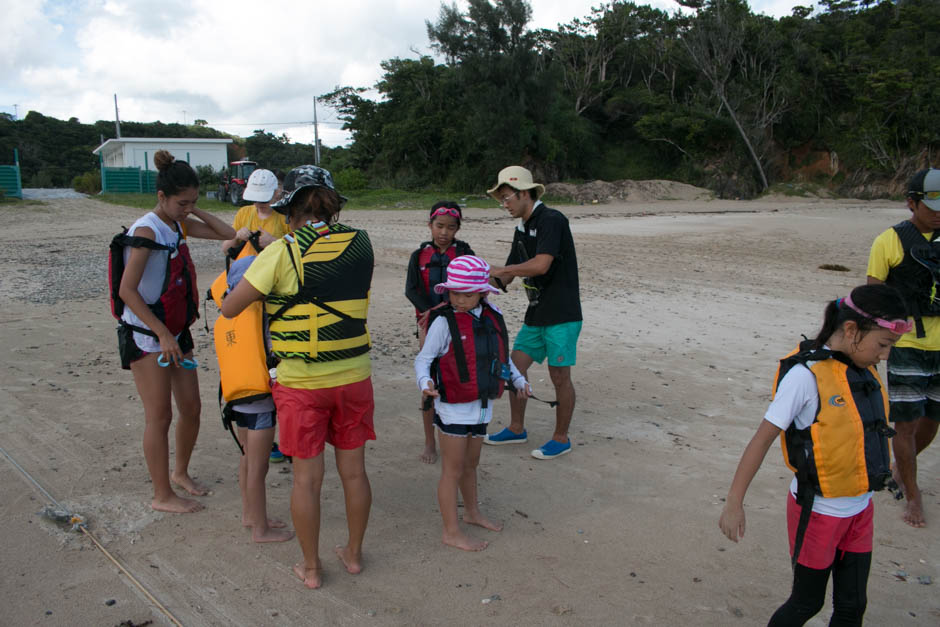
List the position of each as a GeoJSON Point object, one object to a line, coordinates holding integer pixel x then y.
{"type": "Point", "coordinates": [128, 181]}
{"type": "Point", "coordinates": [10, 182]}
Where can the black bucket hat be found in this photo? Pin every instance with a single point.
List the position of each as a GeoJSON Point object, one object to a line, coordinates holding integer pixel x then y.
{"type": "Point", "coordinates": [301, 177]}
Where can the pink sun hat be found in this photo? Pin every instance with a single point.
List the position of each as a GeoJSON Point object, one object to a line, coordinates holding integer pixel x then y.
{"type": "Point", "coordinates": [467, 274]}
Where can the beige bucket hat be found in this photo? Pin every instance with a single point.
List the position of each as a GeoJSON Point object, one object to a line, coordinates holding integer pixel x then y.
{"type": "Point", "coordinates": [516, 177]}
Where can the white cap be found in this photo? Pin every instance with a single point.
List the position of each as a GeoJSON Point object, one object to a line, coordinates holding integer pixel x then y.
{"type": "Point", "coordinates": [261, 186]}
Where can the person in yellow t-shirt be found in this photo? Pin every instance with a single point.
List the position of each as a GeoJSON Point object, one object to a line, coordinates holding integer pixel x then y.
{"type": "Point", "coordinates": [907, 257]}
{"type": "Point", "coordinates": [323, 391]}
{"type": "Point", "coordinates": [263, 188]}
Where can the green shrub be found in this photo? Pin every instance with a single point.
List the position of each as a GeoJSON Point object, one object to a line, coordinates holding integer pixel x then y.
{"type": "Point", "coordinates": [350, 178]}
{"type": "Point", "coordinates": [87, 183]}
{"type": "Point", "coordinates": [208, 177]}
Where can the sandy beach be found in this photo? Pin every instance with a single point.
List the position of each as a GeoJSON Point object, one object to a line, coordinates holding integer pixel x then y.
{"type": "Point", "coordinates": [687, 305]}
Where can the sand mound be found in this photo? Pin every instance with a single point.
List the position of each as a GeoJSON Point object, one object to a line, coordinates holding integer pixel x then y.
{"type": "Point", "coordinates": [628, 191]}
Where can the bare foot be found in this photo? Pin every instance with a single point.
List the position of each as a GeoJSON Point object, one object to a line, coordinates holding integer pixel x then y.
{"type": "Point", "coordinates": [271, 535]}
{"type": "Point", "coordinates": [176, 505]}
{"type": "Point", "coordinates": [480, 520]}
{"type": "Point", "coordinates": [310, 576]}
{"type": "Point", "coordinates": [914, 513]}
{"type": "Point", "coordinates": [429, 456]}
{"type": "Point", "coordinates": [463, 542]}
{"type": "Point", "coordinates": [352, 563]}
{"type": "Point", "coordinates": [273, 523]}
{"type": "Point", "coordinates": [185, 482]}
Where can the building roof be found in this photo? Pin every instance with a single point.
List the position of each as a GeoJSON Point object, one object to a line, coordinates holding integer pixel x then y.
{"type": "Point", "coordinates": [161, 140]}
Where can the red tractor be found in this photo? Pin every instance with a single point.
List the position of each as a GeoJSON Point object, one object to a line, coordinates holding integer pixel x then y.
{"type": "Point", "coordinates": [234, 180]}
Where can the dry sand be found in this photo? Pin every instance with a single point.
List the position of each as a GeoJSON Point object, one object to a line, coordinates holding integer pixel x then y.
{"type": "Point", "coordinates": [687, 306]}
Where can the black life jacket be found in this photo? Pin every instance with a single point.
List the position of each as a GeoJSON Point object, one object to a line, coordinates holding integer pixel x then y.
{"type": "Point", "coordinates": [917, 275]}
{"type": "Point", "coordinates": [476, 363]}
{"type": "Point", "coordinates": [178, 305]}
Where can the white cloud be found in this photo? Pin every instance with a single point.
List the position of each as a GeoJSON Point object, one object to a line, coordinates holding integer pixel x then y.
{"type": "Point", "coordinates": [238, 61]}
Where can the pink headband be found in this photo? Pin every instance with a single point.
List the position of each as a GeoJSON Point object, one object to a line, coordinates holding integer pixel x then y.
{"type": "Point", "coordinates": [895, 326]}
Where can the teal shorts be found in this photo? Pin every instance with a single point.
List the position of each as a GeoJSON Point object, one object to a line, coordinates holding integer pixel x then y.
{"type": "Point", "coordinates": [558, 342]}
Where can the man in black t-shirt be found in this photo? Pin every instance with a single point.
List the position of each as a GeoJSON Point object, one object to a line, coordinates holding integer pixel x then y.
{"type": "Point", "coordinates": [543, 256]}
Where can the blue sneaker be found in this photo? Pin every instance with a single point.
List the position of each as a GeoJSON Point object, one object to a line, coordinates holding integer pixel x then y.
{"type": "Point", "coordinates": [507, 437]}
{"type": "Point", "coordinates": [552, 449]}
{"type": "Point", "coordinates": [276, 455]}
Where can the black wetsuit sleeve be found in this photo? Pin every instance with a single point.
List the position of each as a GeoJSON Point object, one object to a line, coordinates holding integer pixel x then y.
{"type": "Point", "coordinates": [414, 286]}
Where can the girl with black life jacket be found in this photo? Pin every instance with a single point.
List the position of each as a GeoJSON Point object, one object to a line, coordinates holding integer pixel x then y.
{"type": "Point", "coordinates": [463, 366]}
{"type": "Point", "coordinates": [157, 298]}
{"type": "Point", "coordinates": [829, 409]}
{"type": "Point", "coordinates": [427, 268]}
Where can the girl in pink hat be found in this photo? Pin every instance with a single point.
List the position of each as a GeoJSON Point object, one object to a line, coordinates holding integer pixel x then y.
{"type": "Point", "coordinates": [464, 365]}
{"type": "Point", "coordinates": [427, 267]}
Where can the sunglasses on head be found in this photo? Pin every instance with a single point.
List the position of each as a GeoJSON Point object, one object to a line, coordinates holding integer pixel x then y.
{"type": "Point", "coordinates": [895, 326]}
{"type": "Point", "coordinates": [446, 211]}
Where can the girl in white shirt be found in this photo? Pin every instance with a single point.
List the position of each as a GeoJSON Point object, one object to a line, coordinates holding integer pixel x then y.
{"type": "Point", "coordinates": [466, 377]}
{"type": "Point", "coordinates": [160, 360]}
{"type": "Point", "coordinates": [858, 332]}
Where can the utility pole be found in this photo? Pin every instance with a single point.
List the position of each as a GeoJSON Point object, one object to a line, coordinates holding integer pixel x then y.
{"type": "Point", "coordinates": [117, 120]}
{"type": "Point", "coordinates": [16, 112]}
{"type": "Point", "coordinates": [316, 134]}
{"type": "Point", "coordinates": [184, 117]}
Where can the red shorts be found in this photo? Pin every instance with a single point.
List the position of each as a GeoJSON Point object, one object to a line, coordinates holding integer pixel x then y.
{"type": "Point", "coordinates": [827, 534]}
{"type": "Point", "coordinates": [339, 415]}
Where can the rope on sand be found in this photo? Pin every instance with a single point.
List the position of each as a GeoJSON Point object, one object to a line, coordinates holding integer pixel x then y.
{"type": "Point", "coordinates": [78, 523]}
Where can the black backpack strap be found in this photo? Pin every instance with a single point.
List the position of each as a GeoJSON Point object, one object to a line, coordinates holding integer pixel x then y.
{"type": "Point", "coordinates": [805, 495]}
{"type": "Point", "coordinates": [227, 418]}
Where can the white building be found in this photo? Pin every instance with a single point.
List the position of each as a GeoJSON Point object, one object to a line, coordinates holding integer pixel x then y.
{"type": "Point", "coordinates": [130, 152]}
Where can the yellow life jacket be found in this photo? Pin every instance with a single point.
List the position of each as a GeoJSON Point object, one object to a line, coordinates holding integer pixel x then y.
{"type": "Point", "coordinates": [845, 451]}
{"type": "Point", "coordinates": [325, 320]}
{"type": "Point", "coordinates": [239, 346]}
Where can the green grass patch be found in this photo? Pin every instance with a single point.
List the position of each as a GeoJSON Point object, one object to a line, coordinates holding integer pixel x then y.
{"type": "Point", "coordinates": [149, 201]}
{"type": "Point", "coordinates": [15, 203]}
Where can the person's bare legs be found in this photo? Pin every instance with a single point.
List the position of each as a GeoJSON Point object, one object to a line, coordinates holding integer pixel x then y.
{"type": "Point", "coordinates": [517, 403]}
{"type": "Point", "coordinates": [429, 454]}
{"type": "Point", "coordinates": [912, 438]}
{"type": "Point", "coordinates": [468, 488]}
{"type": "Point", "coordinates": [453, 464]}
{"type": "Point", "coordinates": [305, 512]}
{"type": "Point", "coordinates": [154, 388]}
{"type": "Point", "coordinates": [351, 465]}
{"type": "Point", "coordinates": [565, 395]}
{"type": "Point", "coordinates": [185, 385]}
{"type": "Point", "coordinates": [252, 471]}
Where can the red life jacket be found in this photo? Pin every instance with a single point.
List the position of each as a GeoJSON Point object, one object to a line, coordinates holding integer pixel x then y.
{"type": "Point", "coordinates": [432, 265]}
{"type": "Point", "coordinates": [178, 304]}
{"type": "Point", "coordinates": [475, 364]}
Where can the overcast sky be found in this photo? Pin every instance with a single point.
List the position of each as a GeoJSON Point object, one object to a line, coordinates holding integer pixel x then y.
{"type": "Point", "coordinates": [239, 65]}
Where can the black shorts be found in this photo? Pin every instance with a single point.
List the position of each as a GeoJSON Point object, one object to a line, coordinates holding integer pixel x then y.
{"type": "Point", "coordinates": [461, 431]}
{"type": "Point", "coordinates": [130, 352]}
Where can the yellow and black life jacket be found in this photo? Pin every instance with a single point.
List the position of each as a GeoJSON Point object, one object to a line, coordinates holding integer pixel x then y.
{"type": "Point", "coordinates": [326, 319]}
{"type": "Point", "coordinates": [845, 451]}
{"type": "Point", "coordinates": [240, 350]}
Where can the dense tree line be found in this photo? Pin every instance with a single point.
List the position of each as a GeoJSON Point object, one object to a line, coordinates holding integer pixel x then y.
{"type": "Point", "coordinates": [717, 96]}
